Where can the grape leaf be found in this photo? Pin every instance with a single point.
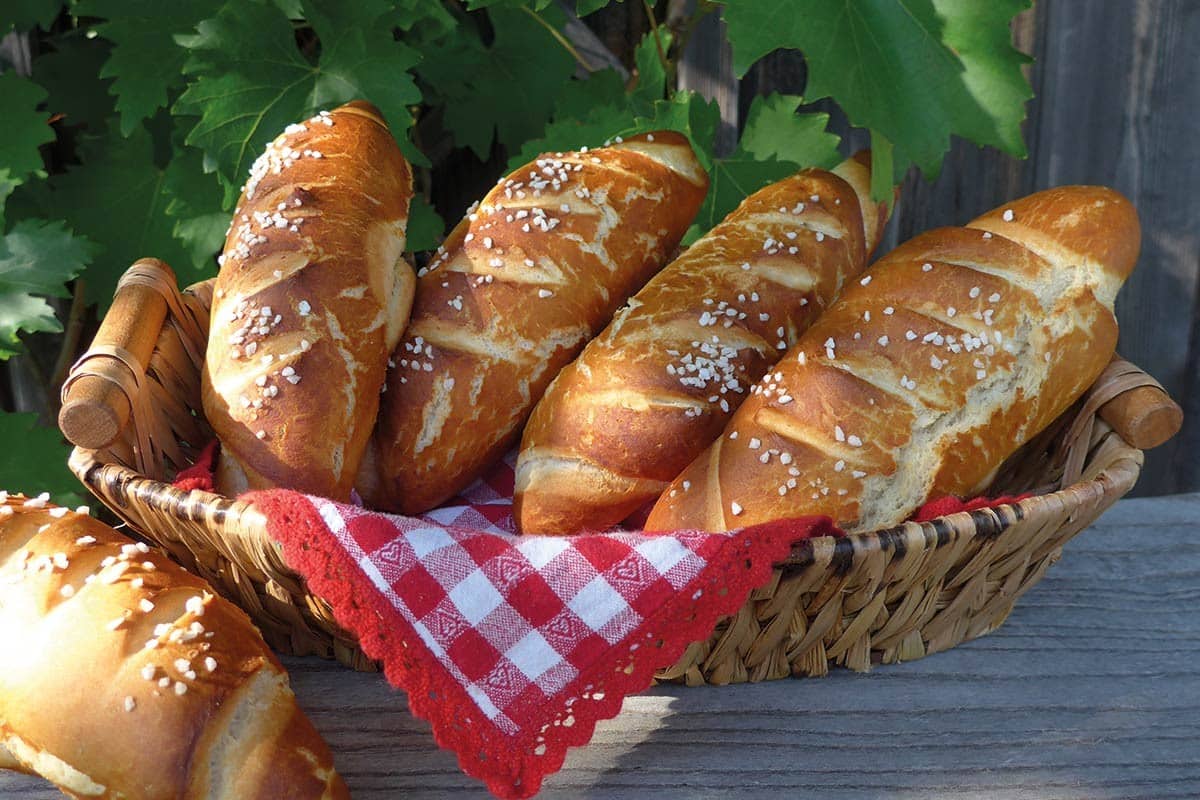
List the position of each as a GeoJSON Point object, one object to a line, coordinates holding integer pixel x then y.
{"type": "Point", "coordinates": [431, 17]}
{"type": "Point", "coordinates": [117, 199]}
{"type": "Point", "coordinates": [36, 258]}
{"type": "Point", "coordinates": [596, 108]}
{"type": "Point", "coordinates": [425, 227]}
{"type": "Point", "coordinates": [39, 464]}
{"type": "Point", "coordinates": [916, 71]}
{"type": "Point", "coordinates": [579, 97]}
{"type": "Point", "coordinates": [691, 115]}
{"type": "Point", "coordinates": [883, 169]}
{"type": "Point", "coordinates": [536, 5]}
{"type": "Point", "coordinates": [248, 80]}
{"type": "Point", "coordinates": [25, 128]}
{"type": "Point", "coordinates": [291, 8]}
{"type": "Point", "coordinates": [23, 15]}
{"type": "Point", "coordinates": [651, 72]}
{"type": "Point", "coordinates": [729, 182]}
{"type": "Point", "coordinates": [775, 143]}
{"type": "Point", "coordinates": [69, 73]}
{"type": "Point", "coordinates": [588, 112]}
{"type": "Point", "coordinates": [978, 33]}
{"type": "Point", "coordinates": [7, 184]}
{"type": "Point", "coordinates": [774, 130]}
{"type": "Point", "coordinates": [361, 59]}
{"type": "Point", "coordinates": [505, 90]}
{"type": "Point", "coordinates": [195, 205]}
{"type": "Point", "coordinates": [146, 62]}
{"type": "Point", "coordinates": [585, 7]}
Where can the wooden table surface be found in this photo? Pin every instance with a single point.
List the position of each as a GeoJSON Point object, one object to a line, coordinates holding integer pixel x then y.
{"type": "Point", "coordinates": [1090, 690]}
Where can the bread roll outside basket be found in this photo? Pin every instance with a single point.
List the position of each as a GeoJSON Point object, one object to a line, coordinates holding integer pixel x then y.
{"type": "Point", "coordinates": [132, 408]}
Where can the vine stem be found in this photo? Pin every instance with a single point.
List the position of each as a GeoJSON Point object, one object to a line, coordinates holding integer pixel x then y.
{"type": "Point", "coordinates": [570, 48]}
{"type": "Point", "coordinates": [66, 354]}
{"type": "Point", "coordinates": [662, 57]}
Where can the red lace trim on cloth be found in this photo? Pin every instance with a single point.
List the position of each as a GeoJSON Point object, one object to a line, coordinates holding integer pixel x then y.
{"type": "Point", "coordinates": [944, 506]}
{"type": "Point", "coordinates": [513, 763]}
{"type": "Point", "coordinates": [511, 740]}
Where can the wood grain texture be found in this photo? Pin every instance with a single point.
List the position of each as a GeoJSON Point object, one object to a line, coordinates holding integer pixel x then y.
{"type": "Point", "coordinates": [1091, 689]}
{"type": "Point", "coordinates": [706, 67]}
{"type": "Point", "coordinates": [1117, 90]}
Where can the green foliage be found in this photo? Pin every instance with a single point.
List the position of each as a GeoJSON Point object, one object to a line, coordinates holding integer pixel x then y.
{"type": "Point", "coordinates": [775, 143]}
{"type": "Point", "coordinates": [118, 198]}
{"type": "Point", "coordinates": [425, 226]}
{"type": "Point", "coordinates": [7, 185]}
{"type": "Point", "coordinates": [195, 205]}
{"type": "Point", "coordinates": [145, 62]}
{"type": "Point", "coordinates": [504, 91]}
{"type": "Point", "coordinates": [774, 130]}
{"type": "Point", "coordinates": [915, 71]}
{"type": "Point", "coordinates": [84, 104]}
{"type": "Point", "coordinates": [25, 128]}
{"type": "Point", "coordinates": [594, 109]}
{"type": "Point", "coordinates": [248, 79]}
{"type": "Point", "coordinates": [22, 15]}
{"type": "Point", "coordinates": [36, 259]}
{"type": "Point", "coordinates": [39, 464]}
{"type": "Point", "coordinates": [141, 118]}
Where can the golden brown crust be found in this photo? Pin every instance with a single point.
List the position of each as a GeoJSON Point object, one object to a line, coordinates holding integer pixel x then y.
{"type": "Point", "coordinates": [658, 385]}
{"type": "Point", "coordinates": [518, 288]}
{"type": "Point", "coordinates": [312, 295]}
{"type": "Point", "coordinates": [87, 702]}
{"type": "Point", "coordinates": [955, 349]}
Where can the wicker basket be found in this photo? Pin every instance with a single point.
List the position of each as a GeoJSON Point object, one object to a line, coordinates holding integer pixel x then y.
{"type": "Point", "coordinates": [878, 597]}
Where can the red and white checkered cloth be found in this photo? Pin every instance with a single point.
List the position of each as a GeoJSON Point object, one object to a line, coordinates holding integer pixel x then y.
{"type": "Point", "coordinates": [514, 647]}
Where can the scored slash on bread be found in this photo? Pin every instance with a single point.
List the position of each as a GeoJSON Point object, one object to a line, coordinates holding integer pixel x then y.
{"type": "Point", "coordinates": [126, 677]}
{"type": "Point", "coordinates": [951, 352]}
{"type": "Point", "coordinates": [654, 389]}
{"type": "Point", "coordinates": [519, 286]}
{"type": "Point", "coordinates": [312, 295]}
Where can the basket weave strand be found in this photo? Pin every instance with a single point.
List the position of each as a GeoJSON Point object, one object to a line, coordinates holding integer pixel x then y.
{"type": "Point", "coordinates": [876, 597]}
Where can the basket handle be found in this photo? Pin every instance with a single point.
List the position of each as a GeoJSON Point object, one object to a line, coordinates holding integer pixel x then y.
{"type": "Point", "coordinates": [1141, 411]}
{"type": "Point", "coordinates": [97, 397]}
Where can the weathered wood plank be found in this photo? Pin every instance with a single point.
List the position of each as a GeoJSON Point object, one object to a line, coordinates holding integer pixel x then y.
{"type": "Point", "coordinates": [1092, 688]}
{"type": "Point", "coordinates": [706, 67]}
{"type": "Point", "coordinates": [1117, 105]}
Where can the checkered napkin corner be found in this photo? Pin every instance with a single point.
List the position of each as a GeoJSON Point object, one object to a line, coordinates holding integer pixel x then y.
{"type": "Point", "coordinates": [515, 647]}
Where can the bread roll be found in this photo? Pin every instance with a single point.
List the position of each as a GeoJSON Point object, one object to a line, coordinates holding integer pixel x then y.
{"type": "Point", "coordinates": [123, 676]}
{"type": "Point", "coordinates": [518, 288]}
{"type": "Point", "coordinates": [658, 385]}
{"type": "Point", "coordinates": [312, 295]}
{"type": "Point", "coordinates": [951, 352]}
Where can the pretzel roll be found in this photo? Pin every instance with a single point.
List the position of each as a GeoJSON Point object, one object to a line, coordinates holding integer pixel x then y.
{"type": "Point", "coordinates": [658, 385]}
{"type": "Point", "coordinates": [520, 285]}
{"type": "Point", "coordinates": [312, 295]}
{"type": "Point", "coordinates": [123, 676]}
{"type": "Point", "coordinates": [949, 354]}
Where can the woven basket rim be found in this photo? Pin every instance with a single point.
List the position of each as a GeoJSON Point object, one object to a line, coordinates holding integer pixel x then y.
{"type": "Point", "coordinates": [243, 517]}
